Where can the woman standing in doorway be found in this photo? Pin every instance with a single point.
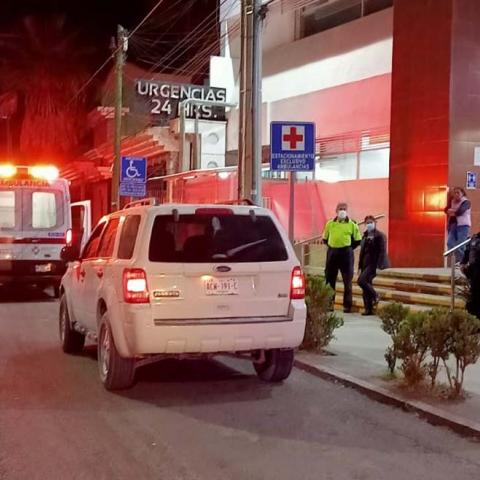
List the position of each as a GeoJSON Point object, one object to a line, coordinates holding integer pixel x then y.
{"type": "Point", "coordinates": [459, 220]}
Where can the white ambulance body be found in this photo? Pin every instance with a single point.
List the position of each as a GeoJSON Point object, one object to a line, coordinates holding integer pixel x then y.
{"type": "Point", "coordinates": [36, 224]}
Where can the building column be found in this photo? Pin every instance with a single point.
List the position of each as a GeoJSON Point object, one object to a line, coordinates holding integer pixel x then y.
{"type": "Point", "coordinates": [435, 122]}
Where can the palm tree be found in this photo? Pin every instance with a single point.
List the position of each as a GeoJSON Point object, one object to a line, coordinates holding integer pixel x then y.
{"type": "Point", "coordinates": [46, 67]}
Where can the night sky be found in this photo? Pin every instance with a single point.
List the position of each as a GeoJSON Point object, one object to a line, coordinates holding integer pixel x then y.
{"type": "Point", "coordinates": [92, 24]}
{"type": "Point", "coordinates": [96, 20]}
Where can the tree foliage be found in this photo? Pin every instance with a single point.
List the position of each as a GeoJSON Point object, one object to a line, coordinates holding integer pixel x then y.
{"type": "Point", "coordinates": [45, 65]}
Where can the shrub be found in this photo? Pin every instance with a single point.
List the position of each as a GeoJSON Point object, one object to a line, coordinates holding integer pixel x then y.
{"type": "Point", "coordinates": [440, 333]}
{"type": "Point", "coordinates": [321, 322]}
{"type": "Point", "coordinates": [464, 346]}
{"type": "Point", "coordinates": [392, 315]}
{"type": "Point", "coordinates": [411, 346]}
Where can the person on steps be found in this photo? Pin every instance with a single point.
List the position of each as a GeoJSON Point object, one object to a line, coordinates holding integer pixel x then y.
{"type": "Point", "coordinates": [373, 256]}
{"type": "Point", "coordinates": [458, 211]}
{"type": "Point", "coordinates": [342, 236]}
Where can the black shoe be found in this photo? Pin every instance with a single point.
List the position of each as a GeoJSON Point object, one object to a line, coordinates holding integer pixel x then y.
{"type": "Point", "coordinates": [347, 310]}
{"type": "Point", "coordinates": [367, 313]}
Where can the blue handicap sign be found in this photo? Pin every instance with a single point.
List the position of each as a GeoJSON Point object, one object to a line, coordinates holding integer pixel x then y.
{"type": "Point", "coordinates": [133, 170]}
{"type": "Point", "coordinates": [292, 146]}
{"type": "Point", "coordinates": [133, 189]}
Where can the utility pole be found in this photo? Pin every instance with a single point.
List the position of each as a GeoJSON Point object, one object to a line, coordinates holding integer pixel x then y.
{"type": "Point", "coordinates": [250, 122]}
{"type": "Point", "coordinates": [120, 51]}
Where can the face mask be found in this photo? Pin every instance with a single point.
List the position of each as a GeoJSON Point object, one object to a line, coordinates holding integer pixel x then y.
{"type": "Point", "coordinates": [342, 214]}
{"type": "Point", "coordinates": [370, 227]}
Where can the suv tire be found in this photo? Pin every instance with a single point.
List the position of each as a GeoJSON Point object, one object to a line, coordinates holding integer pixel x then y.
{"type": "Point", "coordinates": [72, 341]}
{"type": "Point", "coordinates": [116, 372]}
{"type": "Point", "coordinates": [277, 365]}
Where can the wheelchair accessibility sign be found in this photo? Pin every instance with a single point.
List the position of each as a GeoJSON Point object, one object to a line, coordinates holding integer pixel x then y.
{"type": "Point", "coordinates": [133, 177]}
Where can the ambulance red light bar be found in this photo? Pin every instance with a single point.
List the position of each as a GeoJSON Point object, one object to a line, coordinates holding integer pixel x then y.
{"type": "Point", "coordinates": [39, 172]}
{"type": "Point", "coordinates": [7, 170]}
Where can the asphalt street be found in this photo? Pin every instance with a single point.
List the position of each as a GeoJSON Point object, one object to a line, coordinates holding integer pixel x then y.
{"type": "Point", "coordinates": [196, 419]}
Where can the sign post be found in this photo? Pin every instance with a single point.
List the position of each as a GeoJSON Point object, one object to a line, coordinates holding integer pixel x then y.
{"type": "Point", "coordinates": [292, 149]}
{"type": "Point", "coordinates": [133, 177]}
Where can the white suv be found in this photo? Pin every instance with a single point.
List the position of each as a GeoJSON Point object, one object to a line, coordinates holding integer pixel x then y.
{"type": "Point", "coordinates": [180, 280]}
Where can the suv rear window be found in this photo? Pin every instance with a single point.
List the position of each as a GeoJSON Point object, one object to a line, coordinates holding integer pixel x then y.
{"type": "Point", "coordinates": [216, 238]}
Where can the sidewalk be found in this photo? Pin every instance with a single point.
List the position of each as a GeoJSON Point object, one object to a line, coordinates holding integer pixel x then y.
{"type": "Point", "coordinates": [358, 360]}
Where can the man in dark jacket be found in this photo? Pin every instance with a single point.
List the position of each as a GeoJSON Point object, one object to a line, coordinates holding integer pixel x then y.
{"type": "Point", "coordinates": [373, 255]}
{"type": "Point", "coordinates": [470, 266]}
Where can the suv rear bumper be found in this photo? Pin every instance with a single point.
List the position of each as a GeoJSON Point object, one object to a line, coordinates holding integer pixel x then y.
{"type": "Point", "coordinates": [144, 337]}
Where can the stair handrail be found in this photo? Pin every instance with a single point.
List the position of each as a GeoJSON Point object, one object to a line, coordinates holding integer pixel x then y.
{"type": "Point", "coordinates": [450, 253]}
{"type": "Point", "coordinates": [320, 237]}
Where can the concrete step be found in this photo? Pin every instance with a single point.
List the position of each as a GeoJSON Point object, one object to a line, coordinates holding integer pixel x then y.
{"type": "Point", "coordinates": [357, 305]}
{"type": "Point", "coordinates": [410, 298]}
{"type": "Point", "coordinates": [415, 286]}
{"type": "Point", "coordinates": [419, 276]}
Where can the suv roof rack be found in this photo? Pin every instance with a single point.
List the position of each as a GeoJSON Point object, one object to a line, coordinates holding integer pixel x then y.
{"type": "Point", "coordinates": [151, 201]}
{"type": "Point", "coordinates": [242, 201]}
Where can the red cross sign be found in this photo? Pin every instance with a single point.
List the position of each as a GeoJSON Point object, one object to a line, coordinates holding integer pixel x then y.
{"type": "Point", "coordinates": [293, 137]}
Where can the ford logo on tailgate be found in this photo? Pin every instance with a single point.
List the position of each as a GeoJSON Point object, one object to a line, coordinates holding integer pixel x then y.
{"type": "Point", "coordinates": [222, 269]}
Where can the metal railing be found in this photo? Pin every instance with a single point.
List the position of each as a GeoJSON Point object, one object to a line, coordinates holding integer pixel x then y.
{"type": "Point", "coordinates": [302, 246]}
{"type": "Point", "coordinates": [450, 253]}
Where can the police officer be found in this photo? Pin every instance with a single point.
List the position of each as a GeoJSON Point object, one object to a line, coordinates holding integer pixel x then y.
{"type": "Point", "coordinates": [470, 266]}
{"type": "Point", "coordinates": [342, 236]}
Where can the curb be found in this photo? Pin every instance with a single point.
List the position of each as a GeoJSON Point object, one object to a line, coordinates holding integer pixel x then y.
{"type": "Point", "coordinates": [432, 414]}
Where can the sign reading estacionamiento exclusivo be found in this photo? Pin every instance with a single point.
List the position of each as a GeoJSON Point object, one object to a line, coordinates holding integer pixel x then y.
{"type": "Point", "coordinates": [162, 100]}
{"type": "Point", "coordinates": [292, 146]}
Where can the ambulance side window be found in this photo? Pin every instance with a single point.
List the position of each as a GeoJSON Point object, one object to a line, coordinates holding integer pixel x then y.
{"type": "Point", "coordinates": [7, 209]}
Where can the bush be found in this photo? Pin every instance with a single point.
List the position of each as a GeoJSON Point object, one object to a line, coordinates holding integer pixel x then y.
{"type": "Point", "coordinates": [410, 345]}
{"type": "Point", "coordinates": [438, 333]}
{"type": "Point", "coordinates": [321, 321]}
{"type": "Point", "coordinates": [392, 315]}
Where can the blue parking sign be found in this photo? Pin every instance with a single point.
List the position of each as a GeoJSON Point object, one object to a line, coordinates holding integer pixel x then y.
{"type": "Point", "coordinates": [133, 170]}
{"type": "Point", "coordinates": [292, 146]}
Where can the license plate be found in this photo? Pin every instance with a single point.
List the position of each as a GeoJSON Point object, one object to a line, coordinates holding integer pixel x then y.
{"type": "Point", "coordinates": [43, 268]}
{"type": "Point", "coordinates": [221, 286]}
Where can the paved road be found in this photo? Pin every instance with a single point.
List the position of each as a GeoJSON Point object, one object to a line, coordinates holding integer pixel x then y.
{"type": "Point", "coordinates": [196, 420]}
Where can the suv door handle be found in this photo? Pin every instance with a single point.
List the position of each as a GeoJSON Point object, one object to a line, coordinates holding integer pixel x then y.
{"type": "Point", "coordinates": [99, 273]}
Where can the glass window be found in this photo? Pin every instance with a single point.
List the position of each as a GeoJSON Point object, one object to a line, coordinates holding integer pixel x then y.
{"type": "Point", "coordinates": [105, 250]}
{"type": "Point", "coordinates": [44, 210]}
{"type": "Point", "coordinates": [374, 163]}
{"type": "Point", "coordinates": [216, 238]}
{"type": "Point", "coordinates": [323, 15]}
{"type": "Point", "coordinates": [128, 236]}
{"type": "Point", "coordinates": [90, 250]}
{"type": "Point", "coordinates": [337, 169]}
{"type": "Point", "coordinates": [7, 209]}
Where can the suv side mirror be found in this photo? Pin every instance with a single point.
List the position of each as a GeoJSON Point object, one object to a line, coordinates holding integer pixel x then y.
{"type": "Point", "coordinates": [70, 253]}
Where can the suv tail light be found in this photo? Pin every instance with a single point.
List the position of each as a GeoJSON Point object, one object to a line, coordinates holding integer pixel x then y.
{"type": "Point", "coordinates": [297, 286]}
{"type": "Point", "coordinates": [135, 288]}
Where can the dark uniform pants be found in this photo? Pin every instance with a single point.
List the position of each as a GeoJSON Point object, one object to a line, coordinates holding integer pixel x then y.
{"type": "Point", "coordinates": [340, 259]}
{"type": "Point", "coordinates": [365, 282]}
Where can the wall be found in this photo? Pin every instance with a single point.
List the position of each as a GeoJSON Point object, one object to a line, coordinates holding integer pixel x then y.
{"type": "Point", "coordinates": [315, 201]}
{"type": "Point", "coordinates": [330, 78]}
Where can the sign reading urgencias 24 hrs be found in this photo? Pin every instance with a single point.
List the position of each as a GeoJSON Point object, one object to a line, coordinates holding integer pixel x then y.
{"type": "Point", "coordinates": [163, 99]}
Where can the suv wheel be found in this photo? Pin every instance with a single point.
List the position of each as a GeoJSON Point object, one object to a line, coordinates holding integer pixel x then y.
{"type": "Point", "coordinates": [116, 372]}
{"type": "Point", "coordinates": [277, 365]}
{"type": "Point", "coordinates": [72, 341]}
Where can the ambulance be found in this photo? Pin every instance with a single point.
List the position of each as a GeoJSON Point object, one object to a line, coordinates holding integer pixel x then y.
{"type": "Point", "coordinates": [37, 220]}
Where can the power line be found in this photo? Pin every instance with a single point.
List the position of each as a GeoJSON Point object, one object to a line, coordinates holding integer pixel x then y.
{"type": "Point", "coordinates": [105, 63]}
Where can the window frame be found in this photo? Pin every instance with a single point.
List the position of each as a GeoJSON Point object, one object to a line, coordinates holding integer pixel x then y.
{"type": "Point", "coordinates": [100, 227]}
{"type": "Point", "coordinates": [111, 254]}
{"type": "Point", "coordinates": [121, 237]}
